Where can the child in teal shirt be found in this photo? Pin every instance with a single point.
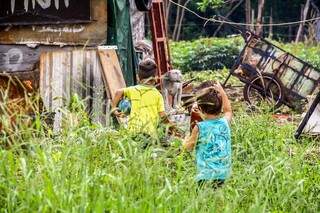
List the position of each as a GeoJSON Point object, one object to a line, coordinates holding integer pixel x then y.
{"type": "Point", "coordinates": [211, 137]}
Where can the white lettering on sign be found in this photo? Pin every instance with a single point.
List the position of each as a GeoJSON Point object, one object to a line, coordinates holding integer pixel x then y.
{"type": "Point", "coordinates": [13, 58]}
{"type": "Point", "coordinates": [26, 5]}
{"type": "Point", "coordinates": [44, 4]}
{"type": "Point", "coordinates": [74, 29]}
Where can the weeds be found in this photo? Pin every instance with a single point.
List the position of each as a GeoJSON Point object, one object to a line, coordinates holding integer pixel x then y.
{"type": "Point", "coordinates": [92, 168]}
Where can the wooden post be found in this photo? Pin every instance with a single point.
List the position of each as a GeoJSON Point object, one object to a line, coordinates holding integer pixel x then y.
{"type": "Point", "coordinates": [304, 17]}
{"type": "Point", "coordinates": [227, 16]}
{"type": "Point", "coordinates": [290, 33]}
{"type": "Point", "coordinates": [318, 31]}
{"type": "Point", "coordinates": [270, 27]}
{"type": "Point", "coordinates": [248, 13]}
{"type": "Point", "coordinates": [252, 19]}
{"type": "Point", "coordinates": [259, 29]}
{"type": "Point", "coordinates": [317, 23]}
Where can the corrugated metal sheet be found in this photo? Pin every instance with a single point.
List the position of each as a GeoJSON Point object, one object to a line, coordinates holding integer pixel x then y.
{"type": "Point", "coordinates": [63, 74]}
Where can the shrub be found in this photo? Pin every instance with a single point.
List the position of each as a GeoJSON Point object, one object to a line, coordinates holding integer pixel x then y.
{"type": "Point", "coordinates": [218, 53]}
{"type": "Point", "coordinates": [205, 54]}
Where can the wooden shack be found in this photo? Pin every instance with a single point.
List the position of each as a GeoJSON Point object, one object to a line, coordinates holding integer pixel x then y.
{"type": "Point", "coordinates": [67, 33]}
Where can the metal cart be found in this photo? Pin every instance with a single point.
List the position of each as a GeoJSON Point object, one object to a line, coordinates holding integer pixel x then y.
{"type": "Point", "coordinates": [271, 74]}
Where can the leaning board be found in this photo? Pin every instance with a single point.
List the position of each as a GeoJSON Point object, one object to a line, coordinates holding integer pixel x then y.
{"type": "Point", "coordinates": [111, 70]}
{"type": "Point", "coordinates": [310, 123]}
{"type": "Point", "coordinates": [313, 125]}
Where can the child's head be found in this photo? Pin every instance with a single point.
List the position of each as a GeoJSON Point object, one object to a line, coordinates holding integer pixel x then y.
{"type": "Point", "coordinates": [204, 85]}
{"type": "Point", "coordinates": [147, 69]}
{"type": "Point", "coordinates": [210, 102]}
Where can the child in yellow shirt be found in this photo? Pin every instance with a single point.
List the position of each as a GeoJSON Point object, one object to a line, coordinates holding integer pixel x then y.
{"type": "Point", "coordinates": [147, 105]}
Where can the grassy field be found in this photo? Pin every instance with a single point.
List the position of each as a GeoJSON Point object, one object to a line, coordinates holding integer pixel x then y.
{"type": "Point", "coordinates": [89, 168]}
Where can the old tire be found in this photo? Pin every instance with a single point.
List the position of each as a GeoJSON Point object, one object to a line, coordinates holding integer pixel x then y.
{"type": "Point", "coordinates": [143, 5]}
{"type": "Point", "coordinates": [269, 89]}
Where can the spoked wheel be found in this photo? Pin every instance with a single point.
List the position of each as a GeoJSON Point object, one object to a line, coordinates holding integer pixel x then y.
{"type": "Point", "coordinates": [264, 89]}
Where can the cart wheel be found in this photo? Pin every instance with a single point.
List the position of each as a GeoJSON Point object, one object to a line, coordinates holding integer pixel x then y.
{"type": "Point", "coordinates": [143, 5]}
{"type": "Point", "coordinates": [264, 89]}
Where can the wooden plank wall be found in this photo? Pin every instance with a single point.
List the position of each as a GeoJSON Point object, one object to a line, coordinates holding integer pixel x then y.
{"type": "Point", "coordinates": [92, 34]}
{"type": "Point", "coordinates": [73, 72]}
{"type": "Point", "coordinates": [21, 58]}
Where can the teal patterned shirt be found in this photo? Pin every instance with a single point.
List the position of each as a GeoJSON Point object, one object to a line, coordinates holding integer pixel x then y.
{"type": "Point", "coordinates": [213, 150]}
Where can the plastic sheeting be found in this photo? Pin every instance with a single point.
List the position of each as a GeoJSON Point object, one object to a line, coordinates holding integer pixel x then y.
{"type": "Point", "coordinates": [137, 23]}
{"type": "Point", "coordinates": [120, 34]}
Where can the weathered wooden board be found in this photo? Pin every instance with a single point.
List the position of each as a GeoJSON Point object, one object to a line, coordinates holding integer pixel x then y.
{"type": "Point", "coordinates": [313, 125]}
{"type": "Point", "coordinates": [63, 74]}
{"type": "Point", "coordinates": [17, 58]}
{"type": "Point", "coordinates": [29, 12]}
{"type": "Point", "coordinates": [112, 70]}
{"type": "Point", "coordinates": [310, 123]}
{"type": "Point", "coordinates": [94, 33]}
{"type": "Point", "coordinates": [20, 58]}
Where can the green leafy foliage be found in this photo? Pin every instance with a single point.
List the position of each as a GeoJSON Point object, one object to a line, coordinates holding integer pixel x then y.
{"type": "Point", "coordinates": [205, 54]}
{"type": "Point", "coordinates": [218, 53]}
{"type": "Point", "coordinates": [90, 168]}
{"type": "Point", "coordinates": [204, 4]}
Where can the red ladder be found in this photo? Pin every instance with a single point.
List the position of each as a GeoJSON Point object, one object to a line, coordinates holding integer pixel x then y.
{"type": "Point", "coordinates": [159, 37]}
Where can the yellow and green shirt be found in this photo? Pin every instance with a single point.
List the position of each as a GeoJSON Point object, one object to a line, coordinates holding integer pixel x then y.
{"type": "Point", "coordinates": [146, 104]}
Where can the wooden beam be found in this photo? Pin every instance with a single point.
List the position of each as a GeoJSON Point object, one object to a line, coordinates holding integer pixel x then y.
{"type": "Point", "coordinates": [111, 69]}
{"type": "Point", "coordinates": [304, 17]}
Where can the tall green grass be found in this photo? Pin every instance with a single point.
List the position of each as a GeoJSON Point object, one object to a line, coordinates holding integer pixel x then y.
{"type": "Point", "coordinates": [90, 168]}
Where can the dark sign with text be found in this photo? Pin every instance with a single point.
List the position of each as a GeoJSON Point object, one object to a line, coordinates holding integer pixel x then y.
{"type": "Point", "coordinates": [26, 12]}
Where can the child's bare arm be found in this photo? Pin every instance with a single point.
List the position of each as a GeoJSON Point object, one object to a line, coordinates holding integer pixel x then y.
{"type": "Point", "coordinates": [191, 141]}
{"type": "Point", "coordinates": [118, 96]}
{"type": "Point", "coordinates": [226, 104]}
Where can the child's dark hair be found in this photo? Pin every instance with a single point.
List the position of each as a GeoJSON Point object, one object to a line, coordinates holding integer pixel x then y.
{"type": "Point", "coordinates": [210, 102]}
{"type": "Point", "coordinates": [204, 85]}
{"type": "Point", "coordinates": [147, 69]}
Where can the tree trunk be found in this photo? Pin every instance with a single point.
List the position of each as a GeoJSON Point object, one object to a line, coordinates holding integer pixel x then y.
{"type": "Point", "coordinates": [291, 37]}
{"type": "Point", "coordinates": [228, 14]}
{"type": "Point", "coordinates": [181, 20]}
{"type": "Point", "coordinates": [318, 31]}
{"type": "Point", "coordinates": [304, 17]}
{"type": "Point", "coordinates": [270, 27]}
{"type": "Point", "coordinates": [259, 29]}
{"type": "Point", "coordinates": [252, 19]}
{"type": "Point", "coordinates": [168, 10]}
{"type": "Point", "coordinates": [248, 13]}
{"type": "Point", "coordinates": [317, 23]}
{"type": "Point", "coordinates": [177, 20]}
